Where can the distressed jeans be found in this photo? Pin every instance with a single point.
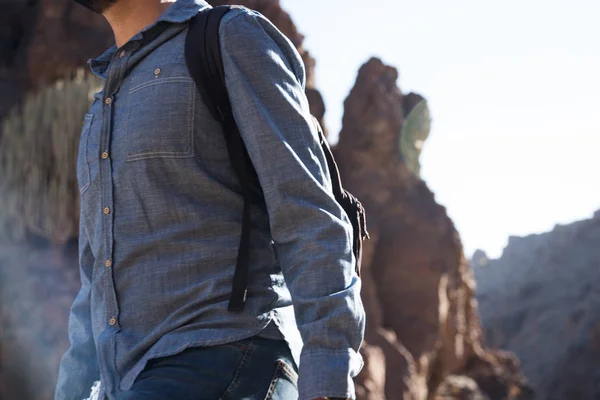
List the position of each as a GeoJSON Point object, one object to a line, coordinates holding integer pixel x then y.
{"type": "Point", "coordinates": [250, 369]}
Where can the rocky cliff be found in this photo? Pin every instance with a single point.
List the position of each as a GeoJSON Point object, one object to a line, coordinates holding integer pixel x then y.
{"type": "Point", "coordinates": [541, 301]}
{"type": "Point", "coordinates": [423, 338]}
{"type": "Point", "coordinates": [41, 40]}
{"type": "Point", "coordinates": [418, 288]}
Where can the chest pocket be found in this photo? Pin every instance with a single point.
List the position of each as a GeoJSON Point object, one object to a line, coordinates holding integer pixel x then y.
{"type": "Point", "coordinates": [160, 113]}
{"type": "Point", "coordinates": [83, 165]}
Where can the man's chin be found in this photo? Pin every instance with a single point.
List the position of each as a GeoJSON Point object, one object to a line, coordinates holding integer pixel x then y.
{"type": "Point", "coordinates": [97, 6]}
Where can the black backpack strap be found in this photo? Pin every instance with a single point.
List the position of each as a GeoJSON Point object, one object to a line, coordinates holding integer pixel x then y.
{"type": "Point", "coordinates": [203, 58]}
{"type": "Point", "coordinates": [336, 181]}
{"type": "Point", "coordinates": [350, 204]}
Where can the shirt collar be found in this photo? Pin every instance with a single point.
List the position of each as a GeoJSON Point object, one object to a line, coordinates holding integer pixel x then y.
{"type": "Point", "coordinates": [179, 12]}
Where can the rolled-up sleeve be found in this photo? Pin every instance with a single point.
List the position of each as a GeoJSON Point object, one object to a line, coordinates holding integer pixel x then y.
{"type": "Point", "coordinates": [265, 78]}
{"type": "Point", "coordinates": [79, 365]}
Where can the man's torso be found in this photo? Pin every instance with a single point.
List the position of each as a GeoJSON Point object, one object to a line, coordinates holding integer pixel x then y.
{"type": "Point", "coordinates": [162, 210]}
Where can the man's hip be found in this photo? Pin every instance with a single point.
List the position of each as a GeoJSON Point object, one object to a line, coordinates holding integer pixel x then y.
{"type": "Point", "coordinates": [254, 368]}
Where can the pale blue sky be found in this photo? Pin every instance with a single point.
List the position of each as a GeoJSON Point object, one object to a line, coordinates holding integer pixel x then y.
{"type": "Point", "coordinates": [514, 91]}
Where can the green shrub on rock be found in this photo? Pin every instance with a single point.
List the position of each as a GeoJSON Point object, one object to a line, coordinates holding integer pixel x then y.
{"type": "Point", "coordinates": [415, 131]}
{"type": "Point", "coordinates": [38, 153]}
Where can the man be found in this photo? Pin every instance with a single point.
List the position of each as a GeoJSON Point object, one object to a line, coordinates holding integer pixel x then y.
{"type": "Point", "coordinates": [161, 217]}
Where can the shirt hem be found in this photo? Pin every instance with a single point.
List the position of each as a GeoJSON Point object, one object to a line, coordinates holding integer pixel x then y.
{"type": "Point", "coordinates": [173, 341]}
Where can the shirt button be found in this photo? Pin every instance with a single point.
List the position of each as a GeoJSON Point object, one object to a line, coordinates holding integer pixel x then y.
{"type": "Point", "coordinates": [157, 71]}
{"type": "Point", "coordinates": [104, 155]}
{"type": "Point", "coordinates": [106, 210]}
{"type": "Point", "coordinates": [112, 321]}
{"type": "Point", "coordinates": [122, 54]}
{"type": "Point", "coordinates": [108, 263]}
{"type": "Point", "coordinates": [108, 101]}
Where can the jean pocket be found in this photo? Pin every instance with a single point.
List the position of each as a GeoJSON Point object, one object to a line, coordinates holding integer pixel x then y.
{"type": "Point", "coordinates": [83, 163]}
{"type": "Point", "coordinates": [160, 113]}
{"type": "Point", "coordinates": [284, 384]}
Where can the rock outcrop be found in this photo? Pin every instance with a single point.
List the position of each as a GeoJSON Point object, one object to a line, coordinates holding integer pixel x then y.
{"type": "Point", "coordinates": [418, 288]}
{"type": "Point", "coordinates": [423, 338]}
{"type": "Point", "coordinates": [541, 301]}
{"type": "Point", "coordinates": [41, 41]}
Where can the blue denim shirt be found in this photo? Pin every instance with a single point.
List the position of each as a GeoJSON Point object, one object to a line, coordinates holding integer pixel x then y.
{"type": "Point", "coordinates": [161, 212]}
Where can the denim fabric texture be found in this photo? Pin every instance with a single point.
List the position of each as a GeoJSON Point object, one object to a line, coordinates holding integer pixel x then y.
{"type": "Point", "coordinates": [251, 369]}
{"type": "Point", "coordinates": [161, 212]}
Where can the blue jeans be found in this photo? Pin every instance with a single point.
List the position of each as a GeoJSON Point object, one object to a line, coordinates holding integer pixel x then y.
{"type": "Point", "coordinates": [251, 369]}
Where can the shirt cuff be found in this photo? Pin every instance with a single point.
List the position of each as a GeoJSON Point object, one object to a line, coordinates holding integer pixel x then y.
{"type": "Point", "coordinates": [328, 374]}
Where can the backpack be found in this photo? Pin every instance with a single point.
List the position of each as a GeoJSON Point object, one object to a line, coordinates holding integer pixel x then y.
{"type": "Point", "coordinates": [203, 59]}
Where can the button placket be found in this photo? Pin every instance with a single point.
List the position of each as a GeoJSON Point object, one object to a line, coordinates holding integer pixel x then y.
{"type": "Point", "coordinates": [115, 75]}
